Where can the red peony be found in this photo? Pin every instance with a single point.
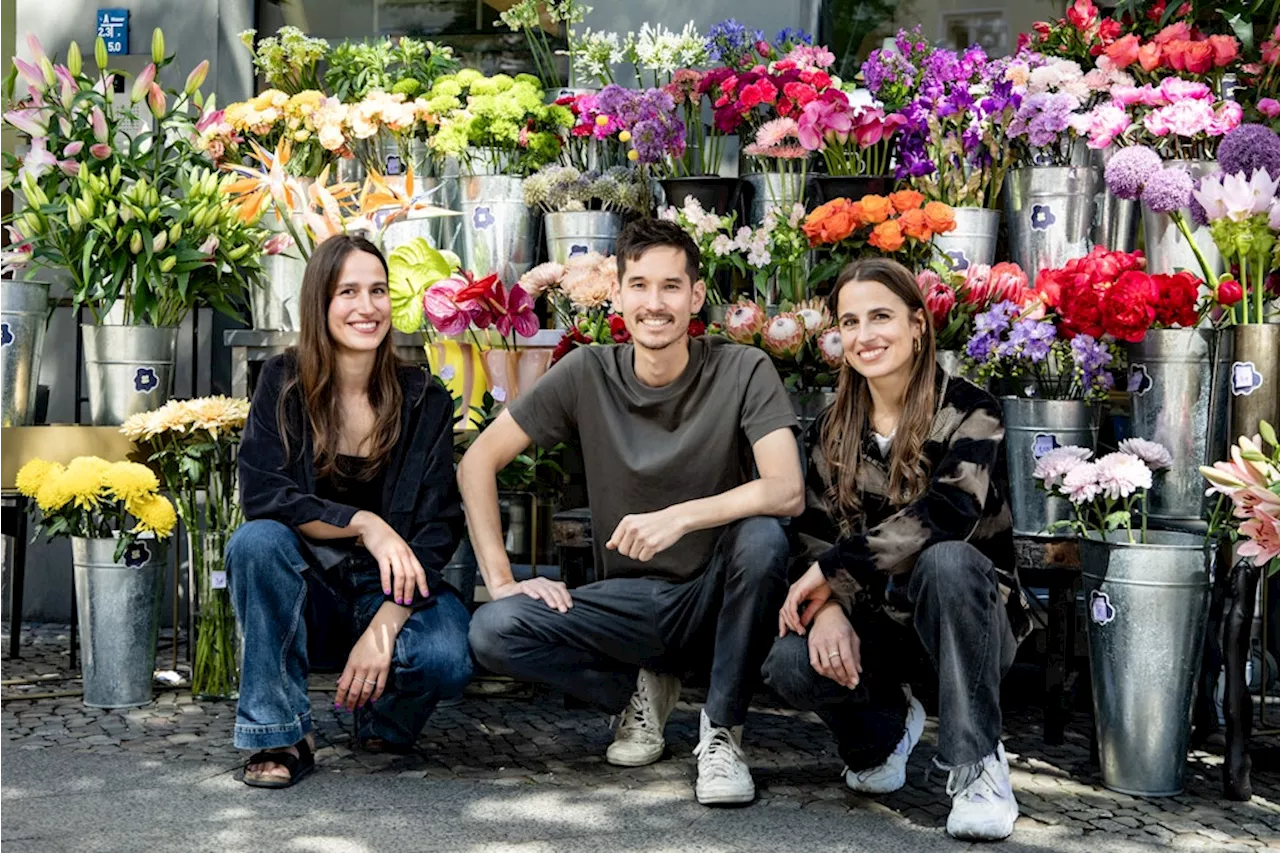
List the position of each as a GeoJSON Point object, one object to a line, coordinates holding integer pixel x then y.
{"type": "Point", "coordinates": [1176, 300]}
{"type": "Point", "coordinates": [1128, 306]}
{"type": "Point", "coordinates": [1081, 312]}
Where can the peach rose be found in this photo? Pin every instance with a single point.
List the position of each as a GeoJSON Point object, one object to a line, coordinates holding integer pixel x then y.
{"type": "Point", "coordinates": [876, 209]}
{"type": "Point", "coordinates": [887, 236]}
{"type": "Point", "coordinates": [904, 200]}
{"type": "Point", "coordinates": [913, 224]}
{"type": "Point", "coordinates": [831, 222]}
{"type": "Point", "coordinates": [939, 217]}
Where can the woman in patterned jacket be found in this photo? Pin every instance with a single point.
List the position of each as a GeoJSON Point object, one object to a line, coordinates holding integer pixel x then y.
{"type": "Point", "coordinates": [908, 496]}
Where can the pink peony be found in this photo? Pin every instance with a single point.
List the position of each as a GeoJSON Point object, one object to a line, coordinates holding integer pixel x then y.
{"type": "Point", "coordinates": [831, 347]}
{"type": "Point", "coordinates": [1102, 125]}
{"type": "Point", "coordinates": [1081, 483]}
{"type": "Point", "coordinates": [1057, 463]}
{"type": "Point", "coordinates": [783, 335]}
{"type": "Point", "coordinates": [743, 321]}
{"type": "Point", "coordinates": [1185, 118]}
{"type": "Point", "coordinates": [1269, 107]}
{"type": "Point", "coordinates": [1226, 119]}
{"type": "Point", "coordinates": [1175, 89]}
{"type": "Point", "coordinates": [1121, 474]}
{"type": "Point", "coordinates": [1156, 456]}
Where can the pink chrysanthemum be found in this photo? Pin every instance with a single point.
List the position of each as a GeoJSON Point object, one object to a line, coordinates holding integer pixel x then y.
{"type": "Point", "coordinates": [1057, 463]}
{"type": "Point", "coordinates": [1153, 453]}
{"type": "Point", "coordinates": [1081, 483]}
{"type": "Point", "coordinates": [1122, 474]}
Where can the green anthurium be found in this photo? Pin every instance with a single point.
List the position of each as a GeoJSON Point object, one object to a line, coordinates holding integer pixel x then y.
{"type": "Point", "coordinates": [413, 268]}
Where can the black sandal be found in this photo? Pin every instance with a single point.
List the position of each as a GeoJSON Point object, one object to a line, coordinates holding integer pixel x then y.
{"type": "Point", "coordinates": [298, 766]}
{"type": "Point", "coordinates": [378, 746]}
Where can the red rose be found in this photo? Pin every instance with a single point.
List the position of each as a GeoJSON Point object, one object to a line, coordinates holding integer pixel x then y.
{"type": "Point", "coordinates": [1082, 14]}
{"type": "Point", "coordinates": [1128, 307]}
{"type": "Point", "coordinates": [1230, 292]}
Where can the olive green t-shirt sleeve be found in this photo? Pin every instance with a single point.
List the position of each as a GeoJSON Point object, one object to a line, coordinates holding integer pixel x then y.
{"type": "Point", "coordinates": [766, 407]}
{"type": "Point", "coordinates": [548, 411]}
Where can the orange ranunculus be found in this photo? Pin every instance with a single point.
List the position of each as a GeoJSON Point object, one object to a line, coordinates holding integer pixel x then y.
{"type": "Point", "coordinates": [876, 209]}
{"type": "Point", "coordinates": [913, 224]}
{"type": "Point", "coordinates": [1150, 56]}
{"type": "Point", "coordinates": [904, 200]}
{"type": "Point", "coordinates": [831, 222]}
{"type": "Point", "coordinates": [887, 236]}
{"type": "Point", "coordinates": [939, 217]}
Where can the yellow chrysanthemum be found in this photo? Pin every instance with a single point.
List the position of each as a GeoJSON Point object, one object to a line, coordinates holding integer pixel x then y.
{"type": "Point", "coordinates": [53, 493]}
{"type": "Point", "coordinates": [85, 479]}
{"type": "Point", "coordinates": [155, 514]}
{"type": "Point", "coordinates": [33, 475]}
{"type": "Point", "coordinates": [130, 481]}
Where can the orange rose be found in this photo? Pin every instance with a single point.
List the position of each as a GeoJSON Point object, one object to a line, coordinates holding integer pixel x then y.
{"type": "Point", "coordinates": [904, 200]}
{"type": "Point", "coordinates": [913, 224]}
{"type": "Point", "coordinates": [887, 236]}
{"type": "Point", "coordinates": [831, 222]}
{"type": "Point", "coordinates": [876, 209]}
{"type": "Point", "coordinates": [939, 217]}
{"type": "Point", "coordinates": [855, 210]}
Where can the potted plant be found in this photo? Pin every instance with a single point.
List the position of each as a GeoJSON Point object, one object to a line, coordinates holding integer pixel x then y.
{"type": "Point", "coordinates": [142, 231]}
{"type": "Point", "coordinates": [583, 212]}
{"type": "Point", "coordinates": [117, 520]}
{"type": "Point", "coordinates": [193, 445]}
{"type": "Point", "coordinates": [1147, 595]}
{"type": "Point", "coordinates": [956, 298]}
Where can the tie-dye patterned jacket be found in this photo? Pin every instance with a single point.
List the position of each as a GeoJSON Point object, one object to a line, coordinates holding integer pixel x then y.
{"type": "Point", "coordinates": [967, 499]}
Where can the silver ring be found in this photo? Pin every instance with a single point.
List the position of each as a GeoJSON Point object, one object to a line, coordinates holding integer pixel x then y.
{"type": "Point", "coordinates": [833, 656]}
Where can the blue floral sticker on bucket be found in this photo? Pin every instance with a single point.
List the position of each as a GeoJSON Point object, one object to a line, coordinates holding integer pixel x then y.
{"type": "Point", "coordinates": [1139, 380]}
{"type": "Point", "coordinates": [1044, 442]}
{"type": "Point", "coordinates": [6, 335]}
{"type": "Point", "coordinates": [1101, 610]}
{"type": "Point", "coordinates": [578, 249]}
{"type": "Point", "coordinates": [956, 261]}
{"type": "Point", "coordinates": [145, 380]}
{"type": "Point", "coordinates": [482, 218]}
{"type": "Point", "coordinates": [1245, 378]}
{"type": "Point", "coordinates": [1042, 217]}
{"type": "Point", "coordinates": [137, 554]}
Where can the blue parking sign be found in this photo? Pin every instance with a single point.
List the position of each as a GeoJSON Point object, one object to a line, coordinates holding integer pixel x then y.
{"type": "Point", "coordinates": [113, 28]}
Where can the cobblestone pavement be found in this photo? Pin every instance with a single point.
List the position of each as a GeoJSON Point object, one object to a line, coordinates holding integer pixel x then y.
{"type": "Point", "coordinates": [516, 734]}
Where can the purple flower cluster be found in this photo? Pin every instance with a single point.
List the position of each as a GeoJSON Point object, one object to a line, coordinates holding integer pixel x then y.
{"type": "Point", "coordinates": [989, 326]}
{"type": "Point", "coordinates": [1029, 339]}
{"type": "Point", "coordinates": [1129, 169]}
{"type": "Point", "coordinates": [1092, 358]}
{"type": "Point", "coordinates": [1168, 190]}
{"type": "Point", "coordinates": [650, 115]}
{"type": "Point", "coordinates": [730, 40]}
{"type": "Point", "coordinates": [789, 37]}
{"type": "Point", "coordinates": [1250, 147]}
{"type": "Point", "coordinates": [1043, 117]}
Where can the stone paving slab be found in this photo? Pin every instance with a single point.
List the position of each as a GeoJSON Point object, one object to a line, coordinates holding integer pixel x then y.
{"type": "Point", "coordinates": [521, 772]}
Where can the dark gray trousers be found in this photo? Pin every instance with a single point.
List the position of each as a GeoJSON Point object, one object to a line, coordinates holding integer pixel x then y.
{"type": "Point", "coordinates": [959, 620]}
{"type": "Point", "coordinates": [723, 620]}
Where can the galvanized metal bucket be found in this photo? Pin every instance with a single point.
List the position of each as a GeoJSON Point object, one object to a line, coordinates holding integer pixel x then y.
{"type": "Point", "coordinates": [581, 232]}
{"type": "Point", "coordinates": [972, 242]}
{"type": "Point", "coordinates": [119, 609]}
{"type": "Point", "coordinates": [1146, 608]}
{"type": "Point", "coordinates": [1115, 220]}
{"type": "Point", "coordinates": [1033, 427]}
{"type": "Point", "coordinates": [776, 191]}
{"type": "Point", "coordinates": [276, 304]}
{"type": "Point", "coordinates": [1049, 214]}
{"type": "Point", "coordinates": [24, 314]}
{"type": "Point", "coordinates": [129, 370]}
{"type": "Point", "coordinates": [1178, 397]}
{"type": "Point", "coordinates": [1255, 378]}
{"type": "Point", "coordinates": [1167, 248]}
{"type": "Point", "coordinates": [443, 188]}
{"type": "Point", "coordinates": [499, 231]}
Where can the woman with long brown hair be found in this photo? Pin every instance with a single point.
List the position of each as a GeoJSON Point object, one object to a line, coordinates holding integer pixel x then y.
{"type": "Point", "coordinates": [346, 476]}
{"type": "Point", "coordinates": [907, 497]}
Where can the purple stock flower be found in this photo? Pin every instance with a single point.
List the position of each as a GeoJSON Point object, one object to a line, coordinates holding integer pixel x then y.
{"type": "Point", "coordinates": [996, 318]}
{"type": "Point", "coordinates": [1129, 169]}
{"type": "Point", "coordinates": [982, 347]}
{"type": "Point", "coordinates": [1031, 339]}
{"type": "Point", "coordinates": [1249, 147]}
{"type": "Point", "coordinates": [1092, 357]}
{"type": "Point", "coordinates": [1167, 190]}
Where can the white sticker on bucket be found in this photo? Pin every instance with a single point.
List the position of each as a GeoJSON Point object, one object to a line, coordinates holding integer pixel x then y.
{"type": "Point", "coordinates": [1044, 442]}
{"type": "Point", "coordinates": [1245, 378]}
{"type": "Point", "coordinates": [1101, 610]}
{"type": "Point", "coordinates": [218, 580]}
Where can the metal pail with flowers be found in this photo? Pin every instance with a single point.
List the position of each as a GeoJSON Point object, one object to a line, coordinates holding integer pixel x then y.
{"type": "Point", "coordinates": [24, 312]}
{"type": "Point", "coordinates": [581, 232]}
{"type": "Point", "coordinates": [119, 611]}
{"type": "Point", "coordinates": [1168, 250]}
{"type": "Point", "coordinates": [1049, 214]}
{"type": "Point", "coordinates": [499, 231]}
{"type": "Point", "coordinates": [972, 242]}
{"type": "Point", "coordinates": [129, 370]}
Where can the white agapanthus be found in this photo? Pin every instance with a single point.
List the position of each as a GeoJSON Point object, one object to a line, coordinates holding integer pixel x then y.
{"type": "Point", "coordinates": [658, 49]}
{"type": "Point", "coordinates": [594, 55]}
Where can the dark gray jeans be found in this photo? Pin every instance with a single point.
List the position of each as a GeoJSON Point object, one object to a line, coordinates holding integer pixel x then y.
{"type": "Point", "coordinates": [722, 620]}
{"type": "Point", "coordinates": [961, 624]}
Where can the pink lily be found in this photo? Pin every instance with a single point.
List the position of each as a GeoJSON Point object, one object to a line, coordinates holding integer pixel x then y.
{"type": "Point", "coordinates": [39, 159]}
{"type": "Point", "coordinates": [208, 119]}
{"type": "Point", "coordinates": [101, 151]}
{"type": "Point", "coordinates": [70, 168]}
{"type": "Point", "coordinates": [1263, 543]}
{"type": "Point", "coordinates": [278, 244]}
{"type": "Point", "coordinates": [210, 245]}
{"type": "Point", "coordinates": [30, 73]}
{"type": "Point", "coordinates": [37, 49]}
{"type": "Point", "coordinates": [143, 82]}
{"type": "Point", "coordinates": [73, 148]}
{"type": "Point", "coordinates": [34, 123]}
{"type": "Point", "coordinates": [98, 121]}
{"type": "Point", "coordinates": [156, 100]}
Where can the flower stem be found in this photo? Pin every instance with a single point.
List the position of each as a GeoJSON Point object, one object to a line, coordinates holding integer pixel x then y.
{"type": "Point", "coordinates": [1181, 222]}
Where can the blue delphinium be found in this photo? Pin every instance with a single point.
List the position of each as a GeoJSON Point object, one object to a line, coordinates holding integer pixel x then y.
{"type": "Point", "coordinates": [729, 40]}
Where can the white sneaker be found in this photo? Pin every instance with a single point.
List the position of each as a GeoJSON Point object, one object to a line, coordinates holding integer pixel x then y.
{"type": "Point", "coordinates": [640, 740]}
{"type": "Point", "coordinates": [892, 775]}
{"type": "Point", "coordinates": [723, 775]}
{"type": "Point", "coordinates": [985, 809]}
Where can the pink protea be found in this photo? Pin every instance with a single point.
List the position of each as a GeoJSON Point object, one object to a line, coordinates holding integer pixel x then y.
{"type": "Point", "coordinates": [1057, 463]}
{"type": "Point", "coordinates": [743, 321]}
{"type": "Point", "coordinates": [815, 316]}
{"type": "Point", "coordinates": [940, 299]}
{"type": "Point", "coordinates": [783, 335]}
{"type": "Point", "coordinates": [831, 347]}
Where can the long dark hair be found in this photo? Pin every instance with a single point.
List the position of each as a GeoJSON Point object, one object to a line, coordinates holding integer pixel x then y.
{"type": "Point", "coordinates": [315, 354]}
{"type": "Point", "coordinates": [843, 427]}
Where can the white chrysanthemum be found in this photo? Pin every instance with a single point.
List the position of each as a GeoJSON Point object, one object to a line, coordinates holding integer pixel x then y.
{"type": "Point", "coordinates": [1057, 463]}
{"type": "Point", "coordinates": [1122, 474]}
{"type": "Point", "coordinates": [1081, 483]}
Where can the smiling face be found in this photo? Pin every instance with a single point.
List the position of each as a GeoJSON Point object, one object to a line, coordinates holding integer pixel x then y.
{"type": "Point", "coordinates": [877, 329]}
{"type": "Point", "coordinates": [656, 298]}
{"type": "Point", "coordinates": [359, 315]}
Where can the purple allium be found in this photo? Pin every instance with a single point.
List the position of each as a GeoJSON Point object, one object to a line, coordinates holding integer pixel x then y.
{"type": "Point", "coordinates": [1249, 147]}
{"type": "Point", "coordinates": [1129, 169]}
{"type": "Point", "coordinates": [1168, 190]}
{"type": "Point", "coordinates": [1198, 216]}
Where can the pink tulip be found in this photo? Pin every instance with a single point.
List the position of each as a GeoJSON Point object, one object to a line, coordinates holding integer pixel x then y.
{"type": "Point", "coordinates": [98, 121]}
{"type": "Point", "coordinates": [101, 150]}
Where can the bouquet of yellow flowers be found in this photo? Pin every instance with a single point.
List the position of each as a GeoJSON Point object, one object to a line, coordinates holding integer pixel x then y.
{"type": "Point", "coordinates": [193, 444]}
{"type": "Point", "coordinates": [95, 499]}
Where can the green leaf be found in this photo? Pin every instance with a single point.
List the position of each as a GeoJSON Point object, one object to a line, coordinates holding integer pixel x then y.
{"type": "Point", "coordinates": [1117, 519]}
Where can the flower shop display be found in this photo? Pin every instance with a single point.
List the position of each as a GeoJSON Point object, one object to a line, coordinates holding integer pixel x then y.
{"type": "Point", "coordinates": [722, 247]}
{"type": "Point", "coordinates": [406, 66]}
{"type": "Point", "coordinates": [583, 212]}
{"type": "Point", "coordinates": [527, 16]}
{"type": "Point", "coordinates": [778, 257]}
{"type": "Point", "coordinates": [117, 521]}
{"type": "Point", "coordinates": [803, 343]}
{"type": "Point", "coordinates": [955, 300]}
{"type": "Point", "coordinates": [193, 445]}
{"type": "Point", "coordinates": [901, 225]}
{"type": "Point", "coordinates": [142, 233]}
{"type": "Point", "coordinates": [24, 316]}
{"type": "Point", "coordinates": [313, 124]}
{"type": "Point", "coordinates": [1146, 598]}
{"type": "Point", "coordinates": [289, 60]}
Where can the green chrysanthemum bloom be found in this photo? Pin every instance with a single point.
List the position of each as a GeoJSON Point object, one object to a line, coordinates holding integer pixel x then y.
{"type": "Point", "coordinates": [408, 87]}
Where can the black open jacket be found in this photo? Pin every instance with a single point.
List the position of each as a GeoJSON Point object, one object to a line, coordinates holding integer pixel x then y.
{"type": "Point", "coordinates": [420, 493]}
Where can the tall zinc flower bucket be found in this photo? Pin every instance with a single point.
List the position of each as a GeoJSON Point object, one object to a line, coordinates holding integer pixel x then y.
{"type": "Point", "coordinates": [276, 303]}
{"type": "Point", "coordinates": [1146, 608]}
{"type": "Point", "coordinates": [1115, 219]}
{"type": "Point", "coordinates": [1049, 214]}
{"type": "Point", "coordinates": [580, 232]}
{"type": "Point", "coordinates": [499, 232]}
{"type": "Point", "coordinates": [129, 370]}
{"type": "Point", "coordinates": [24, 313]}
{"type": "Point", "coordinates": [973, 241]}
{"type": "Point", "coordinates": [119, 610]}
{"type": "Point", "coordinates": [1255, 377]}
{"type": "Point", "coordinates": [776, 191]}
{"type": "Point", "coordinates": [1167, 248]}
{"type": "Point", "coordinates": [1033, 427]}
{"type": "Point", "coordinates": [1178, 389]}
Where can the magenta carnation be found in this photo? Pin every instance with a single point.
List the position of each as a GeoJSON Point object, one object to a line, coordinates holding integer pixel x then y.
{"type": "Point", "coordinates": [1128, 170]}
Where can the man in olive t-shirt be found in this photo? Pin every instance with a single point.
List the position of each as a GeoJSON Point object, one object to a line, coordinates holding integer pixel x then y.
{"type": "Point", "coordinates": [692, 555]}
